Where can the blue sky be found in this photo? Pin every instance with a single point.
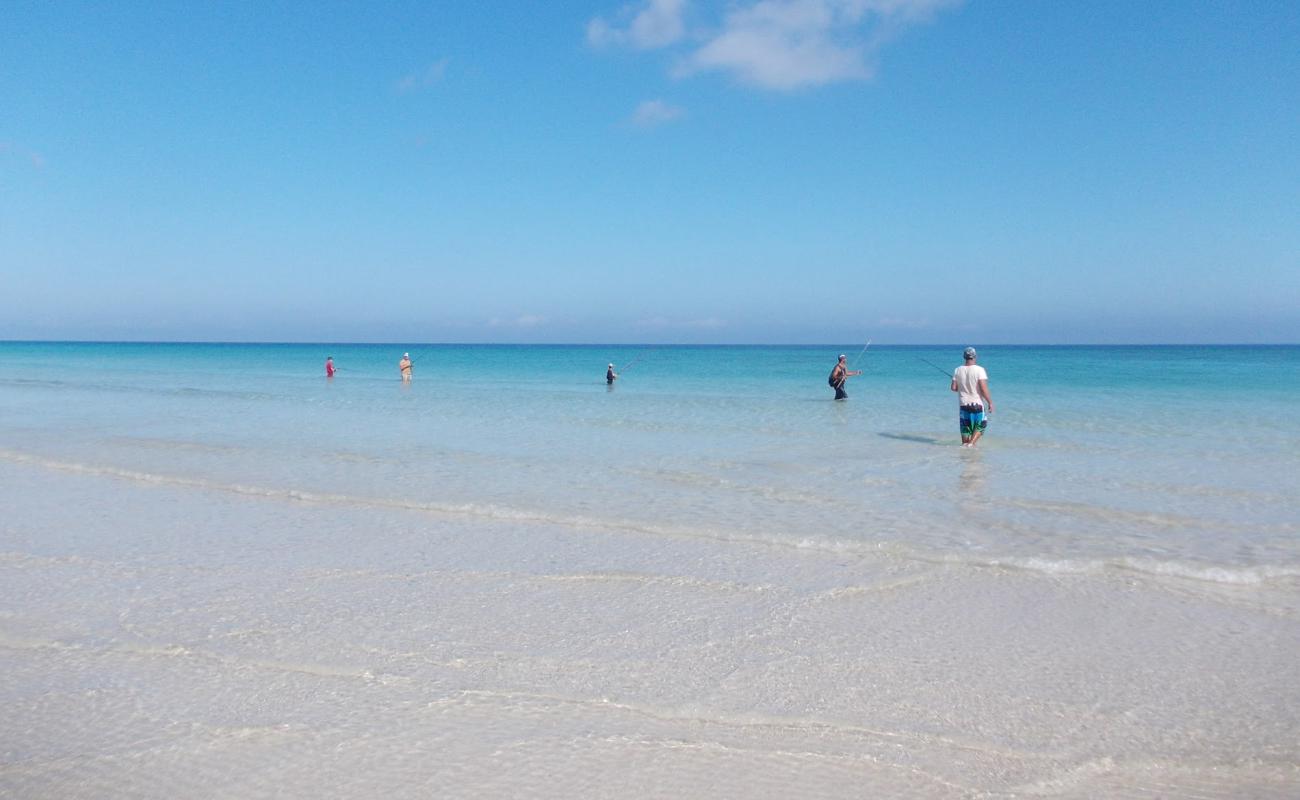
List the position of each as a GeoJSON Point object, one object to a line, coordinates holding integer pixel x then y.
{"type": "Point", "coordinates": [799, 171]}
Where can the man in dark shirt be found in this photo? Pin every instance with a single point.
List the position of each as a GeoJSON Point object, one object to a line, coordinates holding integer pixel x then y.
{"type": "Point", "coordinates": [839, 376]}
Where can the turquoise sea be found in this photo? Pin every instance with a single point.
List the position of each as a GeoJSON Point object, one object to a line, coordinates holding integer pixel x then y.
{"type": "Point", "coordinates": [224, 575]}
{"type": "Point", "coordinates": [1182, 458]}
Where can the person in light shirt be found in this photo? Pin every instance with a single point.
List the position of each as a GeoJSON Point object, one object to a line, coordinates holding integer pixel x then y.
{"type": "Point", "coordinates": [971, 383]}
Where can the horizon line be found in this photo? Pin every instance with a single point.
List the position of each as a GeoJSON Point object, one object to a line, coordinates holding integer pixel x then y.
{"type": "Point", "coordinates": [639, 344]}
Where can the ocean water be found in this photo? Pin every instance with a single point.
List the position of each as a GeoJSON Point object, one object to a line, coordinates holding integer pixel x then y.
{"type": "Point", "coordinates": [709, 579]}
{"type": "Point", "coordinates": [1179, 458]}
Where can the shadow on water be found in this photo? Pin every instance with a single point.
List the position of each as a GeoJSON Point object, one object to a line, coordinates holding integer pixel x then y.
{"type": "Point", "coordinates": [912, 437]}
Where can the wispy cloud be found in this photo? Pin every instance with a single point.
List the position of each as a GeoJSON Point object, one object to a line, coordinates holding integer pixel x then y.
{"type": "Point", "coordinates": [31, 156]}
{"type": "Point", "coordinates": [903, 322]}
{"type": "Point", "coordinates": [771, 44]}
{"type": "Point", "coordinates": [650, 24]}
{"type": "Point", "coordinates": [652, 113]}
{"type": "Point", "coordinates": [521, 321]}
{"type": "Point", "coordinates": [708, 323]}
{"type": "Point", "coordinates": [424, 78]}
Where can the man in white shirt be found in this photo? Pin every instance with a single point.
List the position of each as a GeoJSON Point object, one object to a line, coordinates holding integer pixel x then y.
{"type": "Point", "coordinates": [971, 383]}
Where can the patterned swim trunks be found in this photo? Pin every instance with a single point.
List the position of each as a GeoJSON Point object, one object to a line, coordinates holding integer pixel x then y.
{"type": "Point", "coordinates": [972, 420]}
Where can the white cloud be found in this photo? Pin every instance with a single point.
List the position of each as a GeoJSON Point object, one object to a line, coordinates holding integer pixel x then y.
{"type": "Point", "coordinates": [657, 23]}
{"type": "Point", "coordinates": [778, 53]}
{"type": "Point", "coordinates": [773, 44]}
{"type": "Point", "coordinates": [424, 78]}
{"type": "Point", "coordinates": [655, 112]}
{"type": "Point", "coordinates": [781, 44]}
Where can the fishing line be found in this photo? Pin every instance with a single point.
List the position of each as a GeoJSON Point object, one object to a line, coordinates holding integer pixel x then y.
{"type": "Point", "coordinates": [859, 355]}
{"type": "Point", "coordinates": [945, 372]}
{"type": "Point", "coordinates": [629, 364]}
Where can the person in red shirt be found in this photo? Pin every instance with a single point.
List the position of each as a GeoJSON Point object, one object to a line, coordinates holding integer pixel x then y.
{"type": "Point", "coordinates": [329, 366]}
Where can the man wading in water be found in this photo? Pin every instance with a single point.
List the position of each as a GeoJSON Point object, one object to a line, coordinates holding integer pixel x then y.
{"type": "Point", "coordinates": [838, 376]}
{"type": "Point", "coordinates": [971, 383]}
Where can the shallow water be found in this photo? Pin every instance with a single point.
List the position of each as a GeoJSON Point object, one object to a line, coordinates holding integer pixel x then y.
{"type": "Point", "coordinates": [219, 568]}
{"type": "Point", "coordinates": [1179, 458]}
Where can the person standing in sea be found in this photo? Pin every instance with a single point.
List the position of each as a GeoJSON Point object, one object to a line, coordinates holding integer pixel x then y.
{"type": "Point", "coordinates": [404, 366]}
{"type": "Point", "coordinates": [329, 366]}
{"type": "Point", "coordinates": [610, 375]}
{"type": "Point", "coordinates": [839, 375]}
{"type": "Point", "coordinates": [971, 383]}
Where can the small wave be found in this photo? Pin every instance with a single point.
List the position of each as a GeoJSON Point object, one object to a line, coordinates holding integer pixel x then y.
{"type": "Point", "coordinates": [1141, 775]}
{"type": "Point", "coordinates": [151, 390]}
{"type": "Point", "coordinates": [1237, 575]}
{"type": "Point", "coordinates": [15, 642]}
{"type": "Point", "coordinates": [1105, 514]}
{"type": "Point", "coordinates": [305, 668]}
{"type": "Point", "coordinates": [34, 382]}
{"type": "Point", "coordinates": [180, 651]}
{"type": "Point", "coordinates": [818, 727]}
{"type": "Point", "coordinates": [850, 592]}
{"type": "Point", "coordinates": [163, 650]}
{"type": "Point", "coordinates": [145, 442]}
{"type": "Point", "coordinates": [29, 559]}
{"type": "Point", "coordinates": [317, 669]}
{"type": "Point", "coordinates": [675, 581]}
{"type": "Point", "coordinates": [242, 732]}
{"type": "Point", "coordinates": [611, 577]}
{"type": "Point", "coordinates": [473, 510]}
{"type": "Point", "coordinates": [1242, 576]}
{"type": "Point", "coordinates": [221, 394]}
{"type": "Point", "coordinates": [716, 483]}
{"type": "Point", "coordinates": [1234, 575]}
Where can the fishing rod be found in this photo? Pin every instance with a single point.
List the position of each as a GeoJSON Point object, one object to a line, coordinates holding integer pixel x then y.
{"type": "Point", "coordinates": [628, 365]}
{"type": "Point", "coordinates": [859, 355]}
{"type": "Point", "coordinates": [936, 366]}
